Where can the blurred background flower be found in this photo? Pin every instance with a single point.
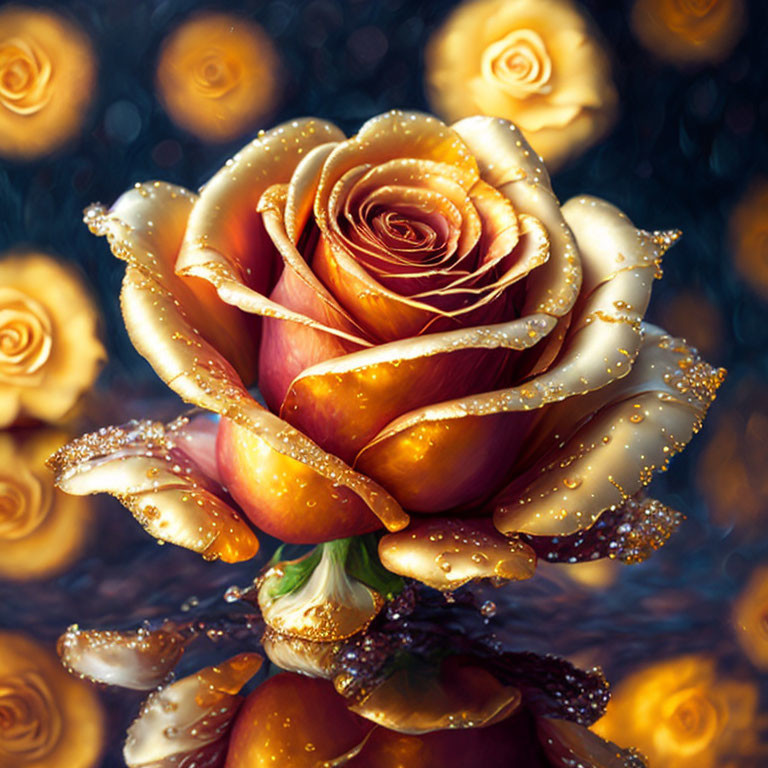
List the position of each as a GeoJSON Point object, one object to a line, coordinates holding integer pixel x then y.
{"type": "Point", "coordinates": [534, 62]}
{"type": "Point", "coordinates": [48, 719]}
{"type": "Point", "coordinates": [749, 236]}
{"type": "Point", "coordinates": [42, 529]}
{"type": "Point", "coordinates": [218, 75]}
{"type": "Point", "coordinates": [47, 80]}
{"type": "Point", "coordinates": [680, 713]}
{"type": "Point", "coordinates": [689, 31]}
{"type": "Point", "coordinates": [50, 351]}
{"type": "Point", "coordinates": [750, 617]}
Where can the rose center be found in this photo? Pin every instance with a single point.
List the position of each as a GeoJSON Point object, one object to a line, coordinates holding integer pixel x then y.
{"type": "Point", "coordinates": [25, 334]}
{"type": "Point", "coordinates": [519, 64]}
{"type": "Point", "coordinates": [692, 719]}
{"type": "Point", "coordinates": [25, 74]}
{"type": "Point", "coordinates": [30, 722]}
{"type": "Point", "coordinates": [216, 74]}
{"type": "Point", "coordinates": [696, 7]}
{"type": "Point", "coordinates": [24, 504]}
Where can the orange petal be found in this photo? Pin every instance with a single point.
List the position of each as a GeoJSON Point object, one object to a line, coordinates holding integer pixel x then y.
{"type": "Point", "coordinates": [187, 722]}
{"type": "Point", "coordinates": [343, 403]}
{"type": "Point", "coordinates": [640, 422]}
{"type": "Point", "coordinates": [141, 660]}
{"type": "Point", "coordinates": [141, 465]}
{"type": "Point", "coordinates": [567, 743]}
{"type": "Point", "coordinates": [448, 552]}
{"type": "Point", "coordinates": [294, 490]}
{"type": "Point", "coordinates": [420, 698]}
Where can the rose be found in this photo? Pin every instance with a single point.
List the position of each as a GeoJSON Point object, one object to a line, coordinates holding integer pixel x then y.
{"type": "Point", "coordinates": [680, 713]}
{"type": "Point", "coordinates": [47, 74]}
{"type": "Point", "coordinates": [434, 332]}
{"type": "Point", "coordinates": [536, 62]}
{"type": "Point", "coordinates": [50, 351]}
{"type": "Point", "coordinates": [47, 717]}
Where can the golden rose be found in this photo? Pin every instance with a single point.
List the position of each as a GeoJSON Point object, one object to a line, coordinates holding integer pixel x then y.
{"type": "Point", "coordinates": [689, 31]}
{"type": "Point", "coordinates": [535, 62]}
{"type": "Point", "coordinates": [749, 236]}
{"type": "Point", "coordinates": [47, 75]}
{"type": "Point", "coordinates": [681, 714]}
{"type": "Point", "coordinates": [48, 719]}
{"type": "Point", "coordinates": [218, 75]}
{"type": "Point", "coordinates": [50, 351]}
{"type": "Point", "coordinates": [750, 616]}
{"type": "Point", "coordinates": [42, 529]}
{"type": "Point", "coordinates": [433, 334]}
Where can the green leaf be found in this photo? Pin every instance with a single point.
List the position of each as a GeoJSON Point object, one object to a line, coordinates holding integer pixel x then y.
{"type": "Point", "coordinates": [296, 574]}
{"type": "Point", "coordinates": [364, 565]}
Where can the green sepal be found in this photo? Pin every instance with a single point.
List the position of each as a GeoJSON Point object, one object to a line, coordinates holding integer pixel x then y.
{"type": "Point", "coordinates": [364, 565]}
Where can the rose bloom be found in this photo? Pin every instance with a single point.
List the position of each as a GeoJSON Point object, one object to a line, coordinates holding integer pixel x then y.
{"type": "Point", "coordinates": [750, 618]}
{"type": "Point", "coordinates": [48, 719]}
{"type": "Point", "coordinates": [748, 227]}
{"type": "Point", "coordinates": [681, 714]}
{"type": "Point", "coordinates": [42, 529]}
{"type": "Point", "coordinates": [217, 75]}
{"type": "Point", "coordinates": [536, 62]}
{"type": "Point", "coordinates": [50, 351]}
{"type": "Point", "coordinates": [689, 31]}
{"type": "Point", "coordinates": [47, 78]}
{"type": "Point", "coordinates": [434, 336]}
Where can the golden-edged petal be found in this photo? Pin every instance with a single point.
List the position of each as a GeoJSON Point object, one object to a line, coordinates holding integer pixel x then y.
{"type": "Point", "coordinates": [187, 722]}
{"type": "Point", "coordinates": [295, 654]}
{"type": "Point", "coordinates": [143, 466]}
{"type": "Point", "coordinates": [419, 698]}
{"type": "Point", "coordinates": [639, 423]}
{"type": "Point", "coordinates": [446, 553]}
{"type": "Point", "coordinates": [345, 402]}
{"type": "Point", "coordinates": [141, 660]}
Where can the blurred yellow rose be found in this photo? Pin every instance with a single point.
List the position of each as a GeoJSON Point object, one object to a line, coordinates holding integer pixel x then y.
{"type": "Point", "coordinates": [749, 236]}
{"type": "Point", "coordinates": [48, 719]}
{"type": "Point", "coordinates": [42, 529]}
{"type": "Point", "coordinates": [50, 352]}
{"type": "Point", "coordinates": [47, 77]}
{"type": "Point", "coordinates": [535, 62]}
{"type": "Point", "coordinates": [217, 75]}
{"type": "Point", "coordinates": [688, 31]}
{"type": "Point", "coordinates": [751, 618]}
{"type": "Point", "coordinates": [681, 714]}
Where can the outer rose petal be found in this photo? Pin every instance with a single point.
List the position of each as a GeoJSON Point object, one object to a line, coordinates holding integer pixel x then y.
{"type": "Point", "coordinates": [141, 465]}
{"type": "Point", "coordinates": [639, 423]}
{"type": "Point", "coordinates": [619, 264]}
{"type": "Point", "coordinates": [448, 552]}
{"type": "Point", "coordinates": [345, 402]}
{"type": "Point", "coordinates": [289, 499]}
{"type": "Point", "coordinates": [187, 722]}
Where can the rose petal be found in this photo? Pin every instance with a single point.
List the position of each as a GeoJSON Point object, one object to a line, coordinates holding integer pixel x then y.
{"type": "Point", "coordinates": [567, 743]}
{"type": "Point", "coordinates": [188, 720]}
{"type": "Point", "coordinates": [141, 660]}
{"type": "Point", "coordinates": [419, 698]}
{"type": "Point", "coordinates": [343, 403]}
{"type": "Point", "coordinates": [165, 490]}
{"type": "Point", "coordinates": [641, 421]}
{"type": "Point", "coordinates": [447, 553]}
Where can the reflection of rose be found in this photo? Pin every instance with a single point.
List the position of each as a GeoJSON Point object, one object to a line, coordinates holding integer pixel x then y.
{"type": "Point", "coordinates": [688, 31]}
{"type": "Point", "coordinates": [46, 80]}
{"type": "Point", "coordinates": [681, 714]}
{"type": "Point", "coordinates": [428, 313]}
{"type": "Point", "coordinates": [49, 347]}
{"type": "Point", "coordinates": [42, 530]}
{"type": "Point", "coordinates": [532, 61]}
{"type": "Point", "coordinates": [47, 718]}
{"type": "Point", "coordinates": [217, 75]}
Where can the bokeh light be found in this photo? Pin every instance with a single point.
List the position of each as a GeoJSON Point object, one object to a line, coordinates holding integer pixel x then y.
{"type": "Point", "coordinates": [535, 63]}
{"type": "Point", "coordinates": [750, 617]}
{"type": "Point", "coordinates": [218, 75]}
{"type": "Point", "coordinates": [47, 81]}
{"type": "Point", "coordinates": [48, 719]}
{"type": "Point", "coordinates": [688, 31]}
{"type": "Point", "coordinates": [50, 351]}
{"type": "Point", "coordinates": [680, 713]}
{"type": "Point", "coordinates": [749, 236]}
